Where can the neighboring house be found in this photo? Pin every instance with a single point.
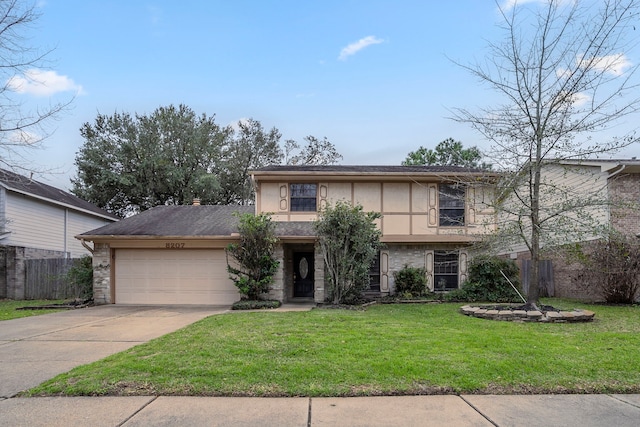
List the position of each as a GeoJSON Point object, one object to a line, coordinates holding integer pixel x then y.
{"type": "Point", "coordinates": [39, 221]}
{"type": "Point", "coordinates": [615, 184]}
{"type": "Point", "coordinates": [175, 254]}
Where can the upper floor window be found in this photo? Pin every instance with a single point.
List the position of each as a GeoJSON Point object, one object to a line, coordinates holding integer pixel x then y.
{"type": "Point", "coordinates": [451, 202]}
{"type": "Point", "coordinates": [303, 197]}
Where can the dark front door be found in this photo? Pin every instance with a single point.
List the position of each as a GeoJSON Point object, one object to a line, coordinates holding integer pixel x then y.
{"type": "Point", "coordinates": [303, 274]}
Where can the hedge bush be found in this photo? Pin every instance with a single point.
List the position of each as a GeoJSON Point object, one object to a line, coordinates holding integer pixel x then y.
{"type": "Point", "coordinates": [486, 283]}
{"type": "Point", "coordinates": [410, 282]}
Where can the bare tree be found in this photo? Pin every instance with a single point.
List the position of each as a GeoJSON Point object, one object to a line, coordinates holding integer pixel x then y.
{"type": "Point", "coordinates": [563, 73]}
{"type": "Point", "coordinates": [21, 128]}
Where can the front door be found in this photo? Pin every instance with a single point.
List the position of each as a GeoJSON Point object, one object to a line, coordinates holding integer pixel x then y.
{"type": "Point", "coordinates": [303, 274]}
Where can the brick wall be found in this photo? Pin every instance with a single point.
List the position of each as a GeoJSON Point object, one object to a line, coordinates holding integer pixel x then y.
{"type": "Point", "coordinates": [12, 268]}
{"type": "Point", "coordinates": [625, 195]}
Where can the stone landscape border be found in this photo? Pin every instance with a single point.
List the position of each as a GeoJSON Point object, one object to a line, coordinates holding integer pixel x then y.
{"type": "Point", "coordinates": [508, 314]}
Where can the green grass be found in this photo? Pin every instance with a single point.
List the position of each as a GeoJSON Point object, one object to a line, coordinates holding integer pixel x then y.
{"type": "Point", "coordinates": [385, 350]}
{"type": "Point", "coordinates": [8, 308]}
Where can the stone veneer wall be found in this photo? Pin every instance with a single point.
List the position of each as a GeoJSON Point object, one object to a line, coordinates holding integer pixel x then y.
{"type": "Point", "coordinates": [277, 290]}
{"type": "Point", "coordinates": [624, 191]}
{"type": "Point", "coordinates": [102, 273]}
{"type": "Point", "coordinates": [12, 268]}
{"type": "Point", "coordinates": [318, 263]}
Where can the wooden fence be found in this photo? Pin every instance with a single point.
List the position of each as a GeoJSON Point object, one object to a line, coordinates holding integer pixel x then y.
{"type": "Point", "coordinates": [45, 279]}
{"type": "Point", "coordinates": [547, 284]}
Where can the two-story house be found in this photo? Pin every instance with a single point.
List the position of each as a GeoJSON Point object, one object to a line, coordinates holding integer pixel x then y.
{"type": "Point", "coordinates": [580, 200]}
{"type": "Point", "coordinates": [38, 221]}
{"type": "Point", "coordinates": [175, 254]}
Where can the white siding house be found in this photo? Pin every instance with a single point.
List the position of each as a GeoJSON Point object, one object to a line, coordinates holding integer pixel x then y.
{"type": "Point", "coordinates": [39, 221]}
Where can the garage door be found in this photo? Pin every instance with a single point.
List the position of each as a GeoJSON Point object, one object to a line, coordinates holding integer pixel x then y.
{"type": "Point", "coordinates": [148, 276]}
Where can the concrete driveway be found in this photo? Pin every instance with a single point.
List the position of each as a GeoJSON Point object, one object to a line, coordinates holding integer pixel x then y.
{"type": "Point", "coordinates": [35, 349]}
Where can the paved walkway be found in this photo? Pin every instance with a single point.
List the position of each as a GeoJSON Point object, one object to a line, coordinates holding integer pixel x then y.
{"type": "Point", "coordinates": [37, 348]}
{"type": "Point", "coordinates": [450, 411]}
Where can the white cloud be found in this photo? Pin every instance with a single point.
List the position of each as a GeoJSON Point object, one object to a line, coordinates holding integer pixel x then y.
{"type": "Point", "coordinates": [579, 99]}
{"type": "Point", "coordinates": [24, 138]}
{"type": "Point", "coordinates": [354, 48]}
{"type": "Point", "coordinates": [613, 64]}
{"type": "Point", "coordinates": [509, 4]}
{"type": "Point", "coordinates": [43, 83]}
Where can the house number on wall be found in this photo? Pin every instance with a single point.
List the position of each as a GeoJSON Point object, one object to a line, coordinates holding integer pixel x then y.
{"type": "Point", "coordinates": [174, 245]}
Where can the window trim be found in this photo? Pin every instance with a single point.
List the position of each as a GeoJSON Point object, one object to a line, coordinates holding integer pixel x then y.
{"type": "Point", "coordinates": [447, 273]}
{"type": "Point", "coordinates": [303, 187]}
{"type": "Point", "coordinates": [375, 272]}
{"type": "Point", "coordinates": [451, 216]}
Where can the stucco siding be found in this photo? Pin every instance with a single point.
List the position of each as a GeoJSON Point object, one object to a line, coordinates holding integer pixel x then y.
{"type": "Point", "coordinates": [396, 197]}
{"type": "Point", "coordinates": [368, 195]}
{"type": "Point", "coordinates": [339, 191]}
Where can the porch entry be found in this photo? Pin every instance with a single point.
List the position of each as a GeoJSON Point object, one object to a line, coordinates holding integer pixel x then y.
{"type": "Point", "coordinates": [303, 274]}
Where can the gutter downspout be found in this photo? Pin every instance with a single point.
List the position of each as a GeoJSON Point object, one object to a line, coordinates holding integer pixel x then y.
{"type": "Point", "coordinates": [611, 176]}
{"type": "Point", "coordinates": [89, 248]}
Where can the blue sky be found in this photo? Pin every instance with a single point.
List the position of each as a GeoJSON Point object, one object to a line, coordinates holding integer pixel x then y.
{"type": "Point", "coordinates": [373, 76]}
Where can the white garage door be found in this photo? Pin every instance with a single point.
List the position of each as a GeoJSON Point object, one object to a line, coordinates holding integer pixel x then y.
{"type": "Point", "coordinates": [152, 276]}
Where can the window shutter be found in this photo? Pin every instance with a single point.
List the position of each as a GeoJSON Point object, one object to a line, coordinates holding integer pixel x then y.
{"type": "Point", "coordinates": [463, 267]}
{"type": "Point", "coordinates": [284, 192]}
{"type": "Point", "coordinates": [428, 266]}
{"type": "Point", "coordinates": [384, 271]}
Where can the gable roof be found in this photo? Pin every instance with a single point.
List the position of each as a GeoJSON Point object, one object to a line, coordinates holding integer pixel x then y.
{"type": "Point", "coordinates": [370, 169]}
{"type": "Point", "coordinates": [175, 221]}
{"type": "Point", "coordinates": [208, 221]}
{"type": "Point", "coordinates": [21, 184]}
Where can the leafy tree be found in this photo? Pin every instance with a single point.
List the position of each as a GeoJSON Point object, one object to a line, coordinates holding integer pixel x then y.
{"type": "Point", "coordinates": [255, 264]}
{"type": "Point", "coordinates": [316, 152]}
{"type": "Point", "coordinates": [249, 147]}
{"type": "Point", "coordinates": [562, 73]}
{"type": "Point", "coordinates": [447, 153]}
{"type": "Point", "coordinates": [128, 164]}
{"type": "Point", "coordinates": [20, 129]}
{"type": "Point", "coordinates": [349, 241]}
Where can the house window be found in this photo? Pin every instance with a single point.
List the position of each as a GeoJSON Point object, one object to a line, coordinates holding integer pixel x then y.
{"type": "Point", "coordinates": [374, 274]}
{"type": "Point", "coordinates": [451, 201]}
{"type": "Point", "coordinates": [445, 270]}
{"type": "Point", "coordinates": [303, 197]}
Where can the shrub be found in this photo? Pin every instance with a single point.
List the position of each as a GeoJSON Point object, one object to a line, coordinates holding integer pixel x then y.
{"type": "Point", "coordinates": [256, 265]}
{"type": "Point", "coordinates": [410, 282]}
{"type": "Point", "coordinates": [486, 283]}
{"type": "Point", "coordinates": [255, 304]}
{"type": "Point", "coordinates": [612, 268]}
{"type": "Point", "coordinates": [349, 240]}
{"type": "Point", "coordinates": [79, 278]}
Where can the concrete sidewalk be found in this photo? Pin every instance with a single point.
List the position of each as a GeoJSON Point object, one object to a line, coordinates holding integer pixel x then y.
{"type": "Point", "coordinates": [450, 411]}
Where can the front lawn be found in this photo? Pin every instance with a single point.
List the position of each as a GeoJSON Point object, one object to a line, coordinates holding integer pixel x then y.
{"type": "Point", "coordinates": [387, 349]}
{"type": "Point", "coordinates": [8, 308]}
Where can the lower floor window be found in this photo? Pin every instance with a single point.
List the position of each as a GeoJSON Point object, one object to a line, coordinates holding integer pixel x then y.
{"type": "Point", "coordinates": [374, 274]}
{"type": "Point", "coordinates": [445, 270]}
